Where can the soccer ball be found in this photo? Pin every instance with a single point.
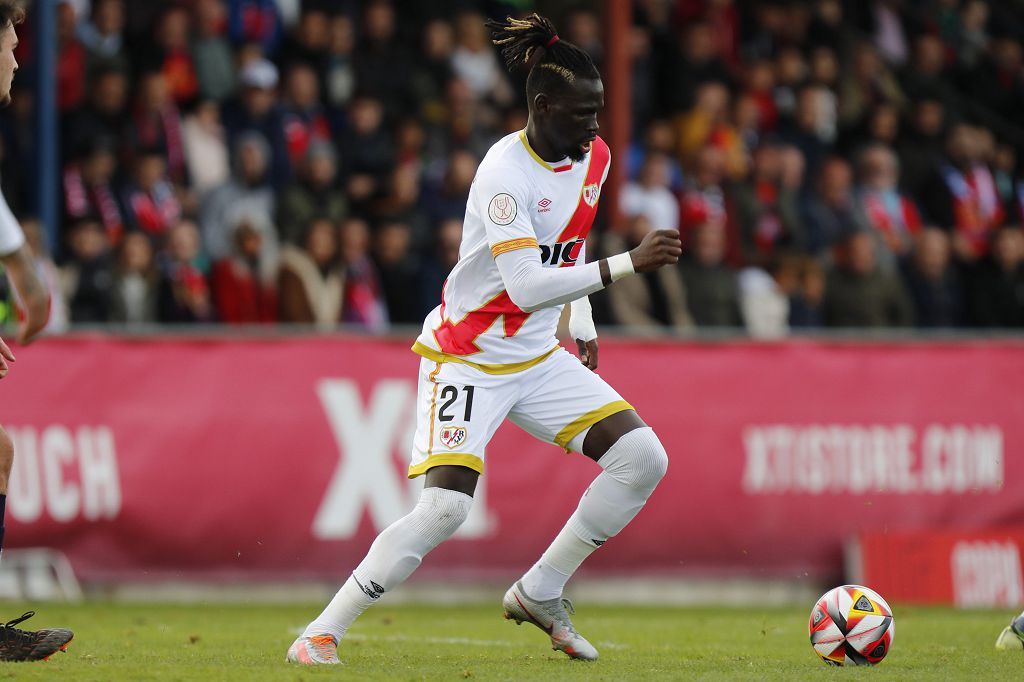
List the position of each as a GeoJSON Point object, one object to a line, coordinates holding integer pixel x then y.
{"type": "Point", "coordinates": [851, 625]}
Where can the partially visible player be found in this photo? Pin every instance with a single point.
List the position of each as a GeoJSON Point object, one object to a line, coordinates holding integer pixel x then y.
{"type": "Point", "coordinates": [17, 261]}
{"type": "Point", "coordinates": [489, 351]}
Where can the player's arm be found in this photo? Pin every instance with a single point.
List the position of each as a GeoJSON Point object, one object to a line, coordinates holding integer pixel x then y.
{"type": "Point", "coordinates": [6, 356]}
{"type": "Point", "coordinates": [16, 258]}
{"type": "Point", "coordinates": [532, 287]}
{"type": "Point", "coordinates": [581, 324]}
{"type": "Point", "coordinates": [34, 297]}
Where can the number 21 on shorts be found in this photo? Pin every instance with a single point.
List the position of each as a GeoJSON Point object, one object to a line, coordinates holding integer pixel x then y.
{"type": "Point", "coordinates": [453, 436]}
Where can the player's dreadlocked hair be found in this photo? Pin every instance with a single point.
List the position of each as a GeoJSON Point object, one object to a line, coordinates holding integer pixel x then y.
{"type": "Point", "coordinates": [520, 40]}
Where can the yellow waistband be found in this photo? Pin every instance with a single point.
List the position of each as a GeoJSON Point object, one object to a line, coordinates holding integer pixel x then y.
{"type": "Point", "coordinates": [510, 368]}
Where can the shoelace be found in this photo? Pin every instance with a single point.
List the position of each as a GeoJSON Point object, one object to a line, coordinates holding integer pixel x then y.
{"type": "Point", "coordinates": [323, 646]}
{"type": "Point", "coordinates": [11, 634]}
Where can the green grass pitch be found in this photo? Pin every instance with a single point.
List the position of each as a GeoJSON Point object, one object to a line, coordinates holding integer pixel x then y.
{"type": "Point", "coordinates": [223, 642]}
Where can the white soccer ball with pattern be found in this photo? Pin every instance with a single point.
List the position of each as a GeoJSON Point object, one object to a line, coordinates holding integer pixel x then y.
{"type": "Point", "coordinates": [851, 625]}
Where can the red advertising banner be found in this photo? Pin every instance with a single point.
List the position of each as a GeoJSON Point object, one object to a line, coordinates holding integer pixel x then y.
{"type": "Point", "coordinates": [972, 569]}
{"type": "Point", "coordinates": [283, 458]}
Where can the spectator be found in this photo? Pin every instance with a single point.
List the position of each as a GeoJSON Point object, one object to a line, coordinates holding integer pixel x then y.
{"type": "Point", "coordinates": [315, 194]}
{"type": "Point", "coordinates": [707, 125]}
{"type": "Point", "coordinates": [257, 110]}
{"type": "Point", "coordinates": [70, 60]}
{"type": "Point", "coordinates": [434, 69]}
{"type": "Point", "coordinates": [703, 199]}
{"type": "Point", "coordinates": [398, 271]}
{"type": "Point", "coordinates": [103, 37]}
{"type": "Point", "coordinates": [997, 292]}
{"type": "Point", "coordinates": [102, 118]}
{"type": "Point", "coordinates": [932, 282]}
{"type": "Point", "coordinates": [311, 284]}
{"type": "Point", "coordinates": [149, 201]}
{"type": "Point", "coordinates": [920, 149]}
{"type": "Point", "coordinates": [868, 84]}
{"type": "Point", "coordinates": [765, 295]}
{"type": "Point", "coordinates": [891, 216]}
{"type": "Point", "coordinates": [245, 197]}
{"type": "Point", "coordinates": [339, 70]}
{"type": "Point", "coordinates": [962, 194]}
{"type": "Point", "coordinates": [650, 195]}
{"type": "Point", "coordinates": [214, 62]}
{"type": "Point", "coordinates": [830, 213]}
{"type": "Point", "coordinates": [89, 190]}
{"type": "Point", "coordinates": [369, 154]}
{"type": "Point", "coordinates": [447, 198]}
{"type": "Point", "coordinates": [243, 288]}
{"type": "Point", "coordinates": [184, 295]}
{"type": "Point", "coordinates": [87, 274]}
{"type": "Point", "coordinates": [655, 299]}
{"type": "Point", "coordinates": [476, 63]}
{"type": "Point", "coordinates": [255, 21]}
{"type": "Point", "coordinates": [171, 55]}
{"type": "Point", "coordinates": [805, 302]}
{"type": "Point", "coordinates": [206, 148]}
{"type": "Point", "coordinates": [156, 125]}
{"type": "Point", "coordinates": [303, 117]}
{"type": "Point", "coordinates": [859, 294]}
{"type": "Point", "coordinates": [136, 285]}
{"type": "Point", "coordinates": [767, 204]}
{"type": "Point", "coordinates": [439, 263]}
{"type": "Point", "coordinates": [712, 291]}
{"type": "Point", "coordinates": [696, 61]}
{"type": "Point", "coordinates": [364, 303]}
{"type": "Point", "coordinates": [384, 67]}
{"type": "Point", "coordinates": [308, 42]}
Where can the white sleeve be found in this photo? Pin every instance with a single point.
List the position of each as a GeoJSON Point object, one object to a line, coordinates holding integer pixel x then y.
{"type": "Point", "coordinates": [531, 286]}
{"type": "Point", "coordinates": [11, 236]}
{"type": "Point", "coordinates": [581, 315]}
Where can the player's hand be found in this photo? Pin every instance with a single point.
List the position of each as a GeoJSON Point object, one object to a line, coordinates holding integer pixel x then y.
{"type": "Point", "coordinates": [588, 353]}
{"type": "Point", "coordinates": [658, 248]}
{"type": "Point", "coordinates": [37, 315]}
{"type": "Point", "coordinates": [6, 356]}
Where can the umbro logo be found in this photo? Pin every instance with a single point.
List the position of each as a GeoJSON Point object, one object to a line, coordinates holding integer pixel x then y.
{"type": "Point", "coordinates": [373, 590]}
{"type": "Point", "coordinates": [544, 205]}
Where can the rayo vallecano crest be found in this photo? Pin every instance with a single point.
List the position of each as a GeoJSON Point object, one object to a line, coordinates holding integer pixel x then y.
{"type": "Point", "coordinates": [590, 193]}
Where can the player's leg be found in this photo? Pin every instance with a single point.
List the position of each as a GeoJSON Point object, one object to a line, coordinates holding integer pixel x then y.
{"type": "Point", "coordinates": [582, 413]}
{"type": "Point", "coordinates": [458, 411]}
{"type": "Point", "coordinates": [15, 644]}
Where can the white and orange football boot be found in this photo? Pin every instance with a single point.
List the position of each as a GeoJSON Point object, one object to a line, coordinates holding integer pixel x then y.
{"type": "Point", "coordinates": [315, 650]}
{"type": "Point", "coordinates": [551, 616]}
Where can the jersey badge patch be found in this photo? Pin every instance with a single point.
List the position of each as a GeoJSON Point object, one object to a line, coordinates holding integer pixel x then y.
{"type": "Point", "coordinates": [502, 209]}
{"type": "Point", "coordinates": [590, 194]}
{"type": "Point", "coordinates": [453, 436]}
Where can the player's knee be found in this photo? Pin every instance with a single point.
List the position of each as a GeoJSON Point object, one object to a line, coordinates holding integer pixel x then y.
{"type": "Point", "coordinates": [638, 459]}
{"type": "Point", "coordinates": [443, 511]}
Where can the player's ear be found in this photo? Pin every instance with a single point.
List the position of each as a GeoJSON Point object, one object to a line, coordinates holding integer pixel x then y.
{"type": "Point", "coordinates": [541, 103]}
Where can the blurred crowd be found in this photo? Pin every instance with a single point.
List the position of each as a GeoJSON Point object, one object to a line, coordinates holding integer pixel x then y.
{"type": "Point", "coordinates": [829, 163]}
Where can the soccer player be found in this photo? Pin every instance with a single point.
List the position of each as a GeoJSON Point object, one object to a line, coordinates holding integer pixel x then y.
{"type": "Point", "coordinates": [489, 351]}
{"type": "Point", "coordinates": [17, 261]}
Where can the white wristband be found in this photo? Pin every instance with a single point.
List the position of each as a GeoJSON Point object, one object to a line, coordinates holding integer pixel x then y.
{"type": "Point", "coordinates": [620, 265]}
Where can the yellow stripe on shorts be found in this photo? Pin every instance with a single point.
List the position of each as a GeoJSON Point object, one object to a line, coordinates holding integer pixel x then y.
{"type": "Point", "coordinates": [576, 426]}
{"type": "Point", "coordinates": [452, 458]}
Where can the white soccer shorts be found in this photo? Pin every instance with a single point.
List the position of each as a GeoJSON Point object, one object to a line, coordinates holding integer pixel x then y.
{"type": "Point", "coordinates": [459, 407]}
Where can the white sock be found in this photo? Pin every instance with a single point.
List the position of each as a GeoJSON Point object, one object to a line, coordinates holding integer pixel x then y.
{"type": "Point", "coordinates": [633, 466]}
{"type": "Point", "coordinates": [392, 558]}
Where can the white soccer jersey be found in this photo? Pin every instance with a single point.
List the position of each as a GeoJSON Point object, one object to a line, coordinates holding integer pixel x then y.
{"type": "Point", "coordinates": [11, 236]}
{"type": "Point", "coordinates": [517, 201]}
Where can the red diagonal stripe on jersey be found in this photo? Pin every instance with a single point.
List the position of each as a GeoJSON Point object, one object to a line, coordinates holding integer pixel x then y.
{"type": "Point", "coordinates": [583, 217]}
{"type": "Point", "coordinates": [459, 338]}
